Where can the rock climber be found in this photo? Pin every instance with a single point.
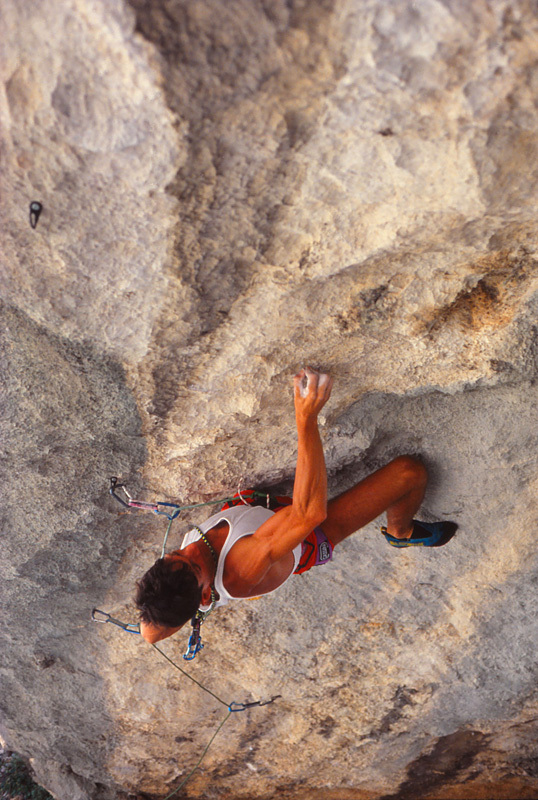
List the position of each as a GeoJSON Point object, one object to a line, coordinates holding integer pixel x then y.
{"type": "Point", "coordinates": [247, 550]}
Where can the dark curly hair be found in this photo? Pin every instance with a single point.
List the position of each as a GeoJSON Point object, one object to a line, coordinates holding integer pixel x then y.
{"type": "Point", "coordinates": [167, 596]}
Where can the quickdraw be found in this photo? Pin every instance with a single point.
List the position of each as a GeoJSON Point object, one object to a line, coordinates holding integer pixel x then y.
{"type": "Point", "coordinates": [195, 641]}
{"type": "Point", "coordinates": [103, 616]}
{"type": "Point", "coordinates": [244, 706]}
{"type": "Point", "coordinates": [157, 508]}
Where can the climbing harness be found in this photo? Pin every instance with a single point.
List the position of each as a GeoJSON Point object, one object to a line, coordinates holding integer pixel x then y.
{"type": "Point", "coordinates": [195, 641]}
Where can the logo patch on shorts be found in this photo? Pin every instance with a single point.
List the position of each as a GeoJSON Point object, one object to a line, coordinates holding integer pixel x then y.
{"type": "Point", "coordinates": [324, 552]}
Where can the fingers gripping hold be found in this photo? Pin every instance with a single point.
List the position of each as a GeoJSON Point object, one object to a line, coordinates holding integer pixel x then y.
{"type": "Point", "coordinates": [307, 379]}
{"type": "Point", "coordinates": [324, 380]}
{"type": "Point", "coordinates": [312, 390]}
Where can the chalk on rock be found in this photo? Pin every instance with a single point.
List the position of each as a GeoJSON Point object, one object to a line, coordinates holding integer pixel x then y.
{"type": "Point", "coordinates": [308, 375]}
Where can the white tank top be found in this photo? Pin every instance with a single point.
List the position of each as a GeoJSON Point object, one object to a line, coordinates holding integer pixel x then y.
{"type": "Point", "coordinates": [243, 521]}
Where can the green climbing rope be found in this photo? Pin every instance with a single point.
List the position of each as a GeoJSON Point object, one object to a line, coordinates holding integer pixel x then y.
{"type": "Point", "coordinates": [199, 505]}
{"type": "Point", "coordinates": [191, 773]}
{"type": "Point", "coordinates": [184, 672]}
{"type": "Point", "coordinates": [230, 707]}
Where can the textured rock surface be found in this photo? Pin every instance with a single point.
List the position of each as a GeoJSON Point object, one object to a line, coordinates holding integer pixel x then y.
{"type": "Point", "coordinates": [230, 190]}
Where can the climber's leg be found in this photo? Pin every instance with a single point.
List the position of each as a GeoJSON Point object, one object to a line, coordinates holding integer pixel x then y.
{"type": "Point", "coordinates": [398, 488]}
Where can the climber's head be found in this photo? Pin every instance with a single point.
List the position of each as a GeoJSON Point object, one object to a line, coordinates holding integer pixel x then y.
{"type": "Point", "coordinates": [168, 594]}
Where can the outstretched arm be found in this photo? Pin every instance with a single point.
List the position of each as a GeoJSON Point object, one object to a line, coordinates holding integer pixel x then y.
{"type": "Point", "coordinates": [285, 530]}
{"type": "Point", "coordinates": [312, 390]}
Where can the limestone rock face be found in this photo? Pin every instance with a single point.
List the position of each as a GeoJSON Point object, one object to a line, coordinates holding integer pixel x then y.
{"type": "Point", "coordinates": [232, 189]}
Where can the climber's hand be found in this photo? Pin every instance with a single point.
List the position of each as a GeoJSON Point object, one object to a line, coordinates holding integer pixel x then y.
{"type": "Point", "coordinates": [312, 390]}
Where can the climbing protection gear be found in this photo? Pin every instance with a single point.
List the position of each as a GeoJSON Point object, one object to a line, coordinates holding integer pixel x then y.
{"type": "Point", "coordinates": [232, 707]}
{"type": "Point", "coordinates": [35, 210]}
{"type": "Point", "coordinates": [171, 511]}
{"type": "Point", "coordinates": [103, 616]}
{"type": "Point", "coordinates": [157, 508]}
{"type": "Point", "coordinates": [195, 642]}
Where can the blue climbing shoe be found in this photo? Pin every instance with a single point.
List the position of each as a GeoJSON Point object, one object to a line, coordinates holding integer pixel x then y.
{"type": "Point", "coordinates": [425, 534]}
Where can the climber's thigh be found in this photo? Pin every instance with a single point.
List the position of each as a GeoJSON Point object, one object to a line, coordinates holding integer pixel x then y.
{"type": "Point", "coordinates": [361, 504]}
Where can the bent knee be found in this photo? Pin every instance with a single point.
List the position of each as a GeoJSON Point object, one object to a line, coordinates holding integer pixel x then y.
{"type": "Point", "coordinates": [412, 469]}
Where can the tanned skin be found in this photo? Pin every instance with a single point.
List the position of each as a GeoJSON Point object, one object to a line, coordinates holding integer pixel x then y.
{"type": "Point", "coordinates": [261, 562]}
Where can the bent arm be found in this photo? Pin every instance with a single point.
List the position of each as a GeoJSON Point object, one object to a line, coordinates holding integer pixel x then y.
{"type": "Point", "coordinates": [286, 529]}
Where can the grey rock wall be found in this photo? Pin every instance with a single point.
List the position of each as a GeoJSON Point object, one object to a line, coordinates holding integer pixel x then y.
{"type": "Point", "coordinates": [231, 190]}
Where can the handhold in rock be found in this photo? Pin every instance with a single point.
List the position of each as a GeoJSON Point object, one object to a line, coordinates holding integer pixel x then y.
{"type": "Point", "coordinates": [307, 377]}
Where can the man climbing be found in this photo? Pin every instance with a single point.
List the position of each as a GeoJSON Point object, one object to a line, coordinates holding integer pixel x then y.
{"type": "Point", "coordinates": [247, 551]}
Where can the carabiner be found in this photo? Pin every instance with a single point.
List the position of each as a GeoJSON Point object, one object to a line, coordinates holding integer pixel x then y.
{"type": "Point", "coordinates": [193, 648]}
{"type": "Point", "coordinates": [95, 611]}
{"type": "Point", "coordinates": [130, 627]}
{"type": "Point", "coordinates": [195, 640]}
{"type": "Point", "coordinates": [244, 706]}
{"type": "Point", "coordinates": [143, 505]}
{"type": "Point", "coordinates": [114, 486]}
